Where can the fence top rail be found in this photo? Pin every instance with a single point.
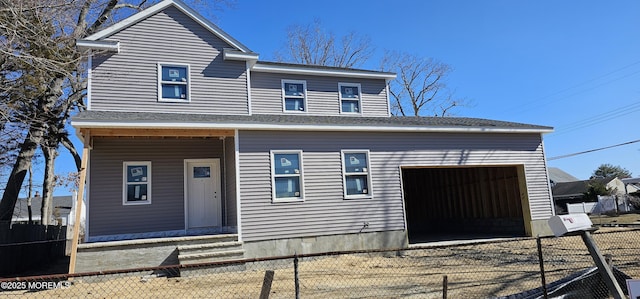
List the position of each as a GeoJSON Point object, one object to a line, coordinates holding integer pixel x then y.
{"type": "Point", "coordinates": [31, 243]}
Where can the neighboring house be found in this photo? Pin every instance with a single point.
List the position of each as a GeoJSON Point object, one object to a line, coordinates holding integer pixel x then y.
{"type": "Point", "coordinates": [61, 207]}
{"type": "Point", "coordinates": [573, 192]}
{"type": "Point", "coordinates": [557, 175]}
{"type": "Point", "coordinates": [191, 135]}
{"type": "Point", "coordinates": [631, 185]}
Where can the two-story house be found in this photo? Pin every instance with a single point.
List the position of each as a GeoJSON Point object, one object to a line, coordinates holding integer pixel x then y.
{"type": "Point", "coordinates": [190, 134]}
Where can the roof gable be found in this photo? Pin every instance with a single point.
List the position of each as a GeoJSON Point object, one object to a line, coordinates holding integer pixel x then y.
{"type": "Point", "coordinates": [150, 11]}
{"type": "Point", "coordinates": [558, 175]}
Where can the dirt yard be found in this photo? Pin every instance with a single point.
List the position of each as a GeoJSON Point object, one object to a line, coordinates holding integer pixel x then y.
{"type": "Point", "coordinates": [622, 219]}
{"type": "Point", "coordinates": [473, 271]}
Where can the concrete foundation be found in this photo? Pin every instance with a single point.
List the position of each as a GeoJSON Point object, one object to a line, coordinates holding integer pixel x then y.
{"type": "Point", "coordinates": [116, 255]}
{"type": "Point", "coordinates": [361, 241]}
{"type": "Point", "coordinates": [101, 257]}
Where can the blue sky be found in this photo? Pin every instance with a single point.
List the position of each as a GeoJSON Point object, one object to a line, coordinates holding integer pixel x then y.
{"type": "Point", "coordinates": [572, 65]}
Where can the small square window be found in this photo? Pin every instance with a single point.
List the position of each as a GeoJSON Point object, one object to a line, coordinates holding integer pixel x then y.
{"type": "Point", "coordinates": [294, 95]}
{"type": "Point", "coordinates": [173, 83]}
{"type": "Point", "coordinates": [201, 172]}
{"type": "Point", "coordinates": [137, 183]}
{"type": "Point", "coordinates": [286, 176]}
{"type": "Point", "coordinates": [349, 94]}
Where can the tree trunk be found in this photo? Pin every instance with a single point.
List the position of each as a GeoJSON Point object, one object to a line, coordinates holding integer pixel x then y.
{"type": "Point", "coordinates": [47, 188]}
{"type": "Point", "coordinates": [16, 178]}
{"type": "Point", "coordinates": [29, 197]}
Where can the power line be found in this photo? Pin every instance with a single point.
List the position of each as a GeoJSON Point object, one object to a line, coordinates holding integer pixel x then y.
{"type": "Point", "coordinates": [545, 100]}
{"type": "Point", "coordinates": [591, 150]}
{"type": "Point", "coordinates": [594, 120]}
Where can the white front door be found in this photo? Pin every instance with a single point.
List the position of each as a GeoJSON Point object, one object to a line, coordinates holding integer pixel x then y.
{"type": "Point", "coordinates": [203, 193]}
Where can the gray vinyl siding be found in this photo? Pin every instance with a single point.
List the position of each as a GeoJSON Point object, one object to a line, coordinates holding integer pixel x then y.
{"type": "Point", "coordinates": [127, 81]}
{"type": "Point", "coordinates": [325, 212]}
{"type": "Point", "coordinates": [108, 216]}
{"type": "Point", "coordinates": [230, 207]}
{"type": "Point", "coordinates": [322, 94]}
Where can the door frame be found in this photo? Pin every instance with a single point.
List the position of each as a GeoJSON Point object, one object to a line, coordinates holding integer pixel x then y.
{"type": "Point", "coordinates": [186, 188]}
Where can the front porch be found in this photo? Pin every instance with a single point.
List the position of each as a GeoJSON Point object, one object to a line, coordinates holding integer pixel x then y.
{"type": "Point", "coordinates": [159, 183]}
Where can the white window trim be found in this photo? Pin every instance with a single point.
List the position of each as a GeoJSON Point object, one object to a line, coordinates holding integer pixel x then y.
{"type": "Point", "coordinates": [125, 183]}
{"type": "Point", "coordinates": [284, 96]}
{"type": "Point", "coordinates": [359, 86]}
{"type": "Point", "coordinates": [345, 174]}
{"type": "Point", "coordinates": [273, 177]}
{"type": "Point", "coordinates": [169, 100]}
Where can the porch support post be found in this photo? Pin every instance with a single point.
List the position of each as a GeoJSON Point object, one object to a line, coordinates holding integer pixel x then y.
{"type": "Point", "coordinates": [80, 196]}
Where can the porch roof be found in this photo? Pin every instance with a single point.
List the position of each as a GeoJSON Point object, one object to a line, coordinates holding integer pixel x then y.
{"type": "Point", "coordinates": [147, 120]}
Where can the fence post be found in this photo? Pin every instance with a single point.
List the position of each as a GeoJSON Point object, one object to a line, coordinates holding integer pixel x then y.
{"type": "Point", "coordinates": [266, 284]}
{"type": "Point", "coordinates": [445, 286]}
{"type": "Point", "coordinates": [296, 276]}
{"type": "Point", "coordinates": [542, 275]}
{"type": "Point", "coordinates": [605, 272]}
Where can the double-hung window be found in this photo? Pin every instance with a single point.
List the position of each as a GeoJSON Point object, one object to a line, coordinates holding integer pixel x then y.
{"type": "Point", "coordinates": [286, 176]}
{"type": "Point", "coordinates": [350, 94]}
{"type": "Point", "coordinates": [294, 95]}
{"type": "Point", "coordinates": [173, 82]}
{"type": "Point", "coordinates": [356, 174]}
{"type": "Point", "coordinates": [137, 183]}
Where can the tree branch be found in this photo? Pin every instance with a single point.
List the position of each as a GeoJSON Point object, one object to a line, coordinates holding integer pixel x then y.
{"type": "Point", "coordinates": [66, 142]}
{"type": "Point", "coordinates": [104, 16]}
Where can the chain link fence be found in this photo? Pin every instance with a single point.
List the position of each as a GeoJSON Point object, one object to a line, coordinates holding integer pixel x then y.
{"type": "Point", "coordinates": [508, 269]}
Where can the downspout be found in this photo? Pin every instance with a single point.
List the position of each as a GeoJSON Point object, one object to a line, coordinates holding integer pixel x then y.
{"type": "Point", "coordinates": [238, 193]}
{"type": "Point", "coordinates": [224, 172]}
{"type": "Point", "coordinates": [89, 78]}
{"type": "Point", "coordinates": [249, 109]}
{"type": "Point", "coordinates": [386, 86]}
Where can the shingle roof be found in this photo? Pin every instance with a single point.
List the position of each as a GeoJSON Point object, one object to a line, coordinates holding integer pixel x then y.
{"type": "Point", "coordinates": [309, 122]}
{"type": "Point", "coordinates": [271, 66]}
{"type": "Point", "coordinates": [61, 204]}
{"type": "Point", "coordinates": [577, 188]}
{"type": "Point", "coordinates": [558, 175]}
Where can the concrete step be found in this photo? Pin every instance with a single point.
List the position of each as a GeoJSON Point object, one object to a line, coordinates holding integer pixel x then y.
{"type": "Point", "coordinates": [205, 247]}
{"type": "Point", "coordinates": [212, 255]}
{"type": "Point", "coordinates": [208, 239]}
{"type": "Point", "coordinates": [212, 248]}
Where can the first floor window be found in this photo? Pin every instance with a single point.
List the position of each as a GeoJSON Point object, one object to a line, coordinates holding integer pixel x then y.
{"type": "Point", "coordinates": [137, 183]}
{"type": "Point", "coordinates": [356, 174]}
{"type": "Point", "coordinates": [173, 82]}
{"type": "Point", "coordinates": [294, 95]}
{"type": "Point", "coordinates": [286, 174]}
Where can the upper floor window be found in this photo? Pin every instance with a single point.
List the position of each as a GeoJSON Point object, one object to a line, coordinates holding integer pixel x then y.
{"type": "Point", "coordinates": [356, 174]}
{"type": "Point", "coordinates": [137, 183]}
{"type": "Point", "coordinates": [173, 82]}
{"type": "Point", "coordinates": [349, 97]}
{"type": "Point", "coordinates": [294, 95]}
{"type": "Point", "coordinates": [286, 176]}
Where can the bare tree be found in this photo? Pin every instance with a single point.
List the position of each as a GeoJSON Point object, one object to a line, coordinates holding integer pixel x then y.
{"type": "Point", "coordinates": [420, 87]}
{"type": "Point", "coordinates": [311, 44]}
